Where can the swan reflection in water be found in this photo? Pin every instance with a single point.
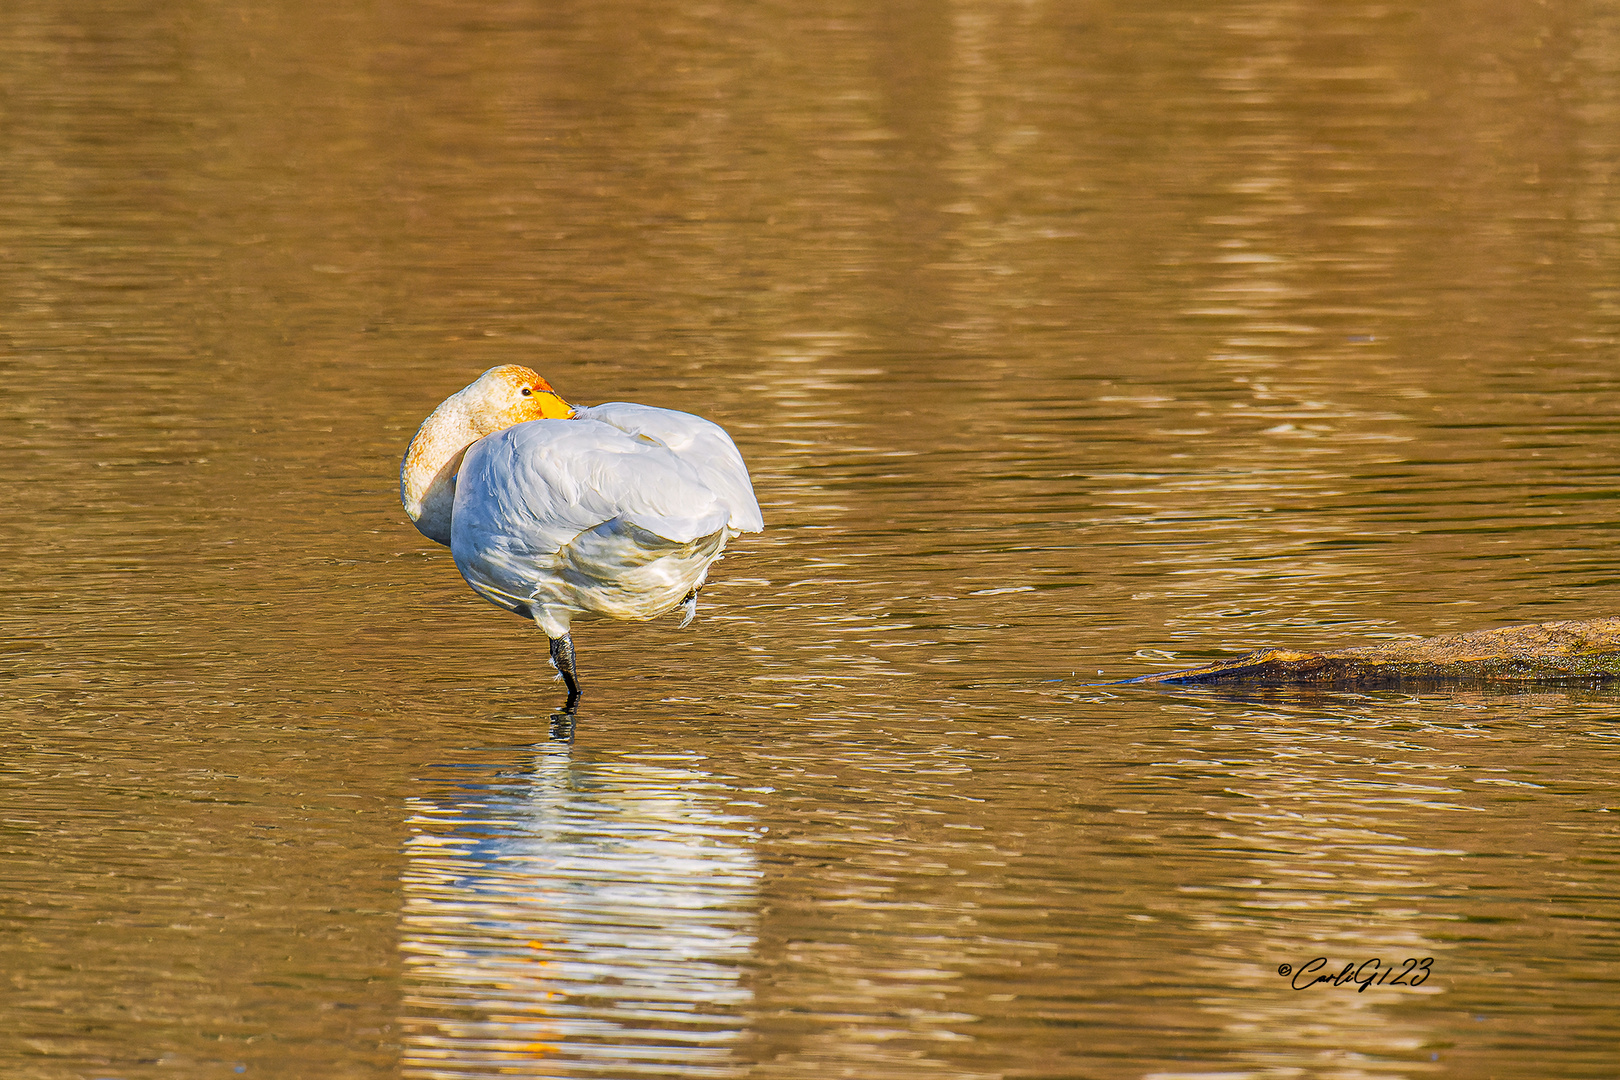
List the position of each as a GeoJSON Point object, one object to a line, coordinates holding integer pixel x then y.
{"type": "Point", "coordinates": [567, 918]}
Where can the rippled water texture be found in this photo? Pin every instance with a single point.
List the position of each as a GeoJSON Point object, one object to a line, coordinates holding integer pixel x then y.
{"type": "Point", "coordinates": [1065, 341]}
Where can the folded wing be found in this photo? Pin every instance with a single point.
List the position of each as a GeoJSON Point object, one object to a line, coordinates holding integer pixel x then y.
{"type": "Point", "coordinates": [560, 516]}
{"type": "Point", "coordinates": [701, 443]}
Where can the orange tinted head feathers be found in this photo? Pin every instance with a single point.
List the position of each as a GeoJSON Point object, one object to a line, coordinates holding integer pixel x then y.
{"type": "Point", "coordinates": [504, 396]}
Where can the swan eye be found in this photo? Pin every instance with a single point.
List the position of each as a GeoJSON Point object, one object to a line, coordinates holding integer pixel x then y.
{"type": "Point", "coordinates": [527, 391]}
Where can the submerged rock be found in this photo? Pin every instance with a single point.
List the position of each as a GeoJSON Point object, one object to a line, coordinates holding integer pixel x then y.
{"type": "Point", "coordinates": [1583, 650]}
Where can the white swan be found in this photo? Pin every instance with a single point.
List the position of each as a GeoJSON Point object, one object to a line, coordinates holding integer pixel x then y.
{"type": "Point", "coordinates": [555, 511]}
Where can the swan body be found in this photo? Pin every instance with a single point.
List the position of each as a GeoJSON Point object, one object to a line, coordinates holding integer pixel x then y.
{"type": "Point", "coordinates": [556, 512]}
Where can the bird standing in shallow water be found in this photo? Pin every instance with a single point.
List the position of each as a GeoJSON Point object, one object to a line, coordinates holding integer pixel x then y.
{"type": "Point", "coordinates": [555, 511]}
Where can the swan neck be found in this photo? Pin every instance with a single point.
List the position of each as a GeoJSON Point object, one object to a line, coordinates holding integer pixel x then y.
{"type": "Point", "coordinates": [427, 475]}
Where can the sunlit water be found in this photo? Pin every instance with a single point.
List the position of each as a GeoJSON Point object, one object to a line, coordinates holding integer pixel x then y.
{"type": "Point", "coordinates": [578, 921]}
{"type": "Point", "coordinates": [1064, 343]}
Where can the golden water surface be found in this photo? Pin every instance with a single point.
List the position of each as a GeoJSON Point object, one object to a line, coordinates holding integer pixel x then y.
{"type": "Point", "coordinates": [1066, 341]}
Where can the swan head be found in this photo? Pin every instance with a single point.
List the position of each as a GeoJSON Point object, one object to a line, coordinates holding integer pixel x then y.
{"type": "Point", "coordinates": [504, 396]}
{"type": "Point", "coordinates": [500, 398]}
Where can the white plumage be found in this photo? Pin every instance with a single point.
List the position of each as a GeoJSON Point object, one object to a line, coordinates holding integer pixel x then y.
{"type": "Point", "coordinates": [557, 512]}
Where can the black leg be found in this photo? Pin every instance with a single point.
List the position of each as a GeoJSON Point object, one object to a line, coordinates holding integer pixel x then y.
{"type": "Point", "coordinates": [562, 655]}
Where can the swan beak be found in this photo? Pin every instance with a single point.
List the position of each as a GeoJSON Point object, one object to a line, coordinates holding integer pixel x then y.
{"type": "Point", "coordinates": [553, 407]}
